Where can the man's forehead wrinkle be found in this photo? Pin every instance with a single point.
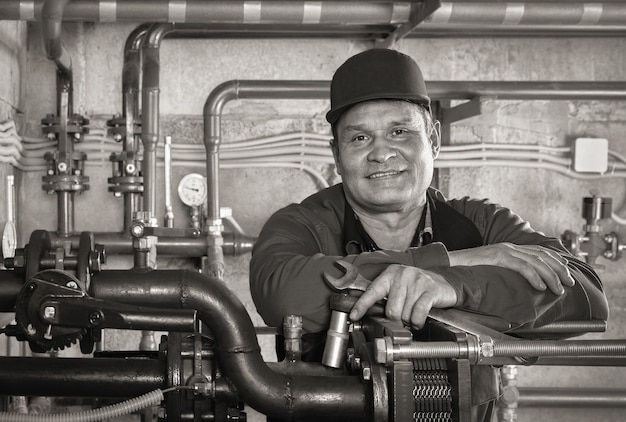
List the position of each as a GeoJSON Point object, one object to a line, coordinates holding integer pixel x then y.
{"type": "Point", "coordinates": [408, 121]}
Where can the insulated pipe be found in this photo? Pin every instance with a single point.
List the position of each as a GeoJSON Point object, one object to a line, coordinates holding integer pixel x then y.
{"type": "Point", "coordinates": [201, 11]}
{"type": "Point", "coordinates": [237, 349]}
{"type": "Point", "coordinates": [533, 13]}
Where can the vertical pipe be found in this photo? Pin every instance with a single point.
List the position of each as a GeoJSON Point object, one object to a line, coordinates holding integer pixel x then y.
{"type": "Point", "coordinates": [150, 110]}
{"type": "Point", "coordinates": [65, 213]}
{"type": "Point", "coordinates": [52, 19]}
{"type": "Point", "coordinates": [212, 113]}
{"type": "Point", "coordinates": [131, 88]}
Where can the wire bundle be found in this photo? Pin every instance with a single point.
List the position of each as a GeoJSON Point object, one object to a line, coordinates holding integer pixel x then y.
{"type": "Point", "coordinates": [301, 151]}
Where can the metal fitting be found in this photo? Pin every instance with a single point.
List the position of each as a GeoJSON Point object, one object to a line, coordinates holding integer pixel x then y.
{"type": "Point", "coordinates": [49, 312]}
{"type": "Point", "coordinates": [486, 348]}
{"type": "Point", "coordinates": [383, 350]}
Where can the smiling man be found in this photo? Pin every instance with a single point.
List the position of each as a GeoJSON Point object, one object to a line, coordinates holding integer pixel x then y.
{"type": "Point", "coordinates": [420, 249]}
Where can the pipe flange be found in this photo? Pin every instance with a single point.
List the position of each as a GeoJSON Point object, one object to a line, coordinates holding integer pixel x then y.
{"type": "Point", "coordinates": [117, 127]}
{"type": "Point", "coordinates": [65, 183]}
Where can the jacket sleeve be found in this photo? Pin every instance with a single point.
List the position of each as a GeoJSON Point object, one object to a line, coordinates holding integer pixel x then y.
{"type": "Point", "coordinates": [505, 293]}
{"type": "Point", "coordinates": [293, 251]}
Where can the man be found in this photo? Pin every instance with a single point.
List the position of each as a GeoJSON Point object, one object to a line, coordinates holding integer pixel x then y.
{"type": "Point", "coordinates": [420, 249]}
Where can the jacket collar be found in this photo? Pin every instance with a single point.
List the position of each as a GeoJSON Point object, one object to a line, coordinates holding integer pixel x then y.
{"type": "Point", "coordinates": [439, 223]}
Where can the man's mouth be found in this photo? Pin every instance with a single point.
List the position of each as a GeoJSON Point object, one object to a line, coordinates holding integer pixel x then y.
{"type": "Point", "coordinates": [381, 174]}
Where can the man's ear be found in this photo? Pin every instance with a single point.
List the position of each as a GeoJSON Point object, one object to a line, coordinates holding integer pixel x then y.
{"type": "Point", "coordinates": [335, 149]}
{"type": "Point", "coordinates": [435, 138]}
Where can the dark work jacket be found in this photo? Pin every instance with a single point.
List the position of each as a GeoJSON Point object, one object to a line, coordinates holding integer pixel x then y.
{"type": "Point", "coordinates": [302, 241]}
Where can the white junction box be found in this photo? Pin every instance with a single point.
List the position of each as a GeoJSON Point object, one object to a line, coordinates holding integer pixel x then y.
{"type": "Point", "coordinates": [591, 155]}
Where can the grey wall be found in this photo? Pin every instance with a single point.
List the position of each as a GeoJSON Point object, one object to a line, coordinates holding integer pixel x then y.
{"type": "Point", "coordinates": [191, 69]}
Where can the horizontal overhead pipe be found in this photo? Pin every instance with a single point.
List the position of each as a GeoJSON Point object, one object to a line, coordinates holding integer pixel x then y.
{"type": "Point", "coordinates": [571, 397]}
{"type": "Point", "coordinates": [237, 349]}
{"type": "Point", "coordinates": [534, 13]}
{"type": "Point", "coordinates": [202, 11]}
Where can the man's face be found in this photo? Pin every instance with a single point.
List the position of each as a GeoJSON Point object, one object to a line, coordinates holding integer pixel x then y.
{"type": "Point", "coordinates": [384, 155]}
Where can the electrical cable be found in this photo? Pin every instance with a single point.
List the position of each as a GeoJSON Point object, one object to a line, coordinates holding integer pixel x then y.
{"type": "Point", "coordinates": [293, 150]}
{"type": "Point", "coordinates": [126, 407]}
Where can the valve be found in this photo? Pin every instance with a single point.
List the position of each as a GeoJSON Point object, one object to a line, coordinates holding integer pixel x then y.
{"type": "Point", "coordinates": [593, 244]}
{"type": "Point", "coordinates": [65, 167]}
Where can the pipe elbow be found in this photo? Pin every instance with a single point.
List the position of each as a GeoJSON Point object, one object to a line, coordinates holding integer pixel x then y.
{"type": "Point", "coordinates": [52, 18]}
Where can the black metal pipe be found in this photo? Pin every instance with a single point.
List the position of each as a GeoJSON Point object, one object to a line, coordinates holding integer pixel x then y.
{"type": "Point", "coordinates": [11, 283]}
{"type": "Point", "coordinates": [237, 348]}
{"type": "Point", "coordinates": [76, 377]}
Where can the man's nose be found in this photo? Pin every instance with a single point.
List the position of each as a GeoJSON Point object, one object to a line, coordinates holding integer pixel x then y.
{"type": "Point", "coordinates": [381, 149]}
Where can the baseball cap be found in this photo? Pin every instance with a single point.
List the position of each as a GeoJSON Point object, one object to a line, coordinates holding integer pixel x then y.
{"type": "Point", "coordinates": [375, 74]}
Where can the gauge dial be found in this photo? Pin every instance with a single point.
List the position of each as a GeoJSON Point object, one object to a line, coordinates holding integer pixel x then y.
{"type": "Point", "coordinates": [9, 240]}
{"type": "Point", "coordinates": [192, 189]}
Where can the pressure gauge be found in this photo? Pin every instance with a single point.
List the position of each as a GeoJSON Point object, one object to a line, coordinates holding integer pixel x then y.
{"type": "Point", "coordinates": [9, 240]}
{"type": "Point", "coordinates": [192, 189]}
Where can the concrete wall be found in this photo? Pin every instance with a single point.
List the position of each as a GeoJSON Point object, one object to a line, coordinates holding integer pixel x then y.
{"type": "Point", "coordinates": [191, 69]}
{"type": "Point", "coordinates": [12, 60]}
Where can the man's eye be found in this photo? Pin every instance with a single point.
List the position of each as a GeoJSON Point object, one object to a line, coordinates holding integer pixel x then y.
{"type": "Point", "coordinates": [359, 138]}
{"type": "Point", "coordinates": [399, 132]}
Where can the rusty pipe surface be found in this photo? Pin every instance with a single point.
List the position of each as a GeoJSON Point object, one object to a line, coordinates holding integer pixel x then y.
{"type": "Point", "coordinates": [237, 349]}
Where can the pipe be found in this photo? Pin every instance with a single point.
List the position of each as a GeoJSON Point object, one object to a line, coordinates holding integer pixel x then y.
{"type": "Point", "coordinates": [52, 22]}
{"type": "Point", "coordinates": [52, 18]}
{"type": "Point", "coordinates": [11, 283]}
{"type": "Point", "coordinates": [131, 88]}
{"type": "Point", "coordinates": [201, 11]}
{"type": "Point", "coordinates": [526, 90]}
{"type": "Point", "coordinates": [571, 397]}
{"type": "Point", "coordinates": [533, 13]}
{"type": "Point", "coordinates": [150, 111]}
{"type": "Point", "coordinates": [241, 89]}
{"type": "Point", "coordinates": [79, 377]}
{"type": "Point", "coordinates": [212, 114]}
{"type": "Point", "coordinates": [237, 350]}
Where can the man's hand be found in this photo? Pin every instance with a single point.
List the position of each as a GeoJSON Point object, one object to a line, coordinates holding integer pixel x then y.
{"type": "Point", "coordinates": [410, 292]}
{"type": "Point", "coordinates": [540, 266]}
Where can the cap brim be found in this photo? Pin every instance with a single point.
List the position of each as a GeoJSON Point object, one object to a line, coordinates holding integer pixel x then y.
{"type": "Point", "coordinates": [333, 115]}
